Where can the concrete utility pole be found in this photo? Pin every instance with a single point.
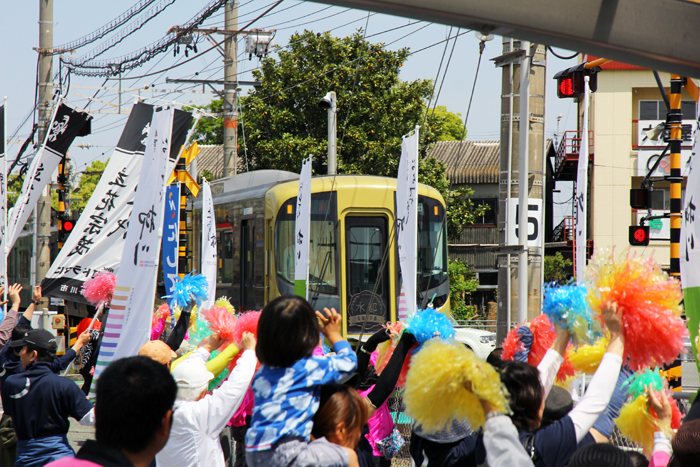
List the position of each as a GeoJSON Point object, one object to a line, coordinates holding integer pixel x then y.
{"type": "Point", "coordinates": [521, 300]}
{"type": "Point", "coordinates": [43, 208]}
{"type": "Point", "coordinates": [330, 102]}
{"type": "Point", "coordinates": [230, 92]}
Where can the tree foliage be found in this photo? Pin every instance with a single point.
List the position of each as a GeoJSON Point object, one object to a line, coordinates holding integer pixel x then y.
{"type": "Point", "coordinates": [462, 283]}
{"type": "Point", "coordinates": [555, 268]}
{"type": "Point", "coordinates": [283, 123]}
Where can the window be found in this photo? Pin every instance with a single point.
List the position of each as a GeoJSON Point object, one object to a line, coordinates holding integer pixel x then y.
{"type": "Point", "coordinates": [432, 247]}
{"type": "Point", "coordinates": [656, 110]}
{"type": "Point", "coordinates": [491, 214]}
{"type": "Point", "coordinates": [322, 244]}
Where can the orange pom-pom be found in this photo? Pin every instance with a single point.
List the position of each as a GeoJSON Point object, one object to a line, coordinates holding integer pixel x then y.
{"type": "Point", "coordinates": [511, 345]}
{"type": "Point", "coordinates": [247, 322]}
{"type": "Point", "coordinates": [650, 303]}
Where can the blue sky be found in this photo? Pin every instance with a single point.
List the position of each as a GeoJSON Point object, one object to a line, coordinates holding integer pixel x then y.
{"type": "Point", "coordinates": [73, 19]}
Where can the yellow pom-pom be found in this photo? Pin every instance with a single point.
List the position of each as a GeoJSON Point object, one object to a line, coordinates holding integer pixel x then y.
{"type": "Point", "coordinates": [587, 357]}
{"type": "Point", "coordinates": [637, 424]}
{"type": "Point", "coordinates": [436, 386]}
{"type": "Point", "coordinates": [223, 302]}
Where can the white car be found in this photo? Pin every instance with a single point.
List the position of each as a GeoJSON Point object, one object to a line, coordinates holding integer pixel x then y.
{"type": "Point", "coordinates": [480, 341]}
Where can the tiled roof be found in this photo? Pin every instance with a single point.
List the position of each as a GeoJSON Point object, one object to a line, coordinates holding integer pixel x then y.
{"type": "Point", "coordinates": [211, 158]}
{"type": "Point", "coordinates": [469, 161]}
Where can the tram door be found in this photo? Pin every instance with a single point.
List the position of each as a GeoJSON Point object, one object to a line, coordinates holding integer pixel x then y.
{"type": "Point", "coordinates": [367, 286]}
{"type": "Point", "coordinates": [248, 264]}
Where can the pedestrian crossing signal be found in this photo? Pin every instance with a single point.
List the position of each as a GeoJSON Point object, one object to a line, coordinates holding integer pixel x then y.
{"type": "Point", "coordinates": [639, 235]}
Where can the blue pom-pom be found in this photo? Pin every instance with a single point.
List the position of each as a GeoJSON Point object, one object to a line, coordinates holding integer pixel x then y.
{"type": "Point", "coordinates": [567, 306]}
{"type": "Point", "coordinates": [191, 287]}
{"type": "Point", "coordinates": [430, 323]}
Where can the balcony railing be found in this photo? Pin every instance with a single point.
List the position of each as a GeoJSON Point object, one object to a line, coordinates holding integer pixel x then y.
{"type": "Point", "coordinates": [570, 146]}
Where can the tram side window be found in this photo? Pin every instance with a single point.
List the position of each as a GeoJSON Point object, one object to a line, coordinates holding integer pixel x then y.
{"type": "Point", "coordinates": [323, 255]}
{"type": "Point", "coordinates": [432, 244]}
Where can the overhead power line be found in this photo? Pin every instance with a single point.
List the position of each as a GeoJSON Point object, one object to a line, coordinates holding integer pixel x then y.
{"type": "Point", "coordinates": [104, 30]}
{"type": "Point", "coordinates": [115, 66]}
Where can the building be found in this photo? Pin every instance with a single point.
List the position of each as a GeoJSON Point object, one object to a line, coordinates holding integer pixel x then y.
{"type": "Point", "coordinates": [625, 108]}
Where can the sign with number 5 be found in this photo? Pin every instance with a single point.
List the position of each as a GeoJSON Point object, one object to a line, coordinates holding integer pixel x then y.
{"type": "Point", "coordinates": [534, 222]}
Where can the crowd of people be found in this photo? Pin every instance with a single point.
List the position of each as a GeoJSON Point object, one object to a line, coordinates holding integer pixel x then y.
{"type": "Point", "coordinates": [287, 403]}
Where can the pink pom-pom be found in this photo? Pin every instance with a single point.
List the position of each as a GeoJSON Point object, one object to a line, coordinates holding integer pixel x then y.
{"type": "Point", "coordinates": [158, 321]}
{"type": "Point", "coordinates": [220, 321]}
{"type": "Point", "coordinates": [318, 351]}
{"type": "Point", "coordinates": [247, 322]}
{"type": "Point", "coordinates": [99, 290]}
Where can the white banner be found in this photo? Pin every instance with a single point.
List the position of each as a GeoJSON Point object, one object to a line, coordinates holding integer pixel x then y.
{"type": "Point", "coordinates": [534, 222]}
{"type": "Point", "coordinates": [407, 223]}
{"type": "Point", "coordinates": [97, 240]}
{"type": "Point", "coordinates": [129, 321]}
{"type": "Point", "coordinates": [690, 229]}
{"type": "Point", "coordinates": [580, 201]}
{"type": "Point", "coordinates": [209, 264]}
{"type": "Point", "coordinates": [3, 195]}
{"type": "Point", "coordinates": [302, 227]}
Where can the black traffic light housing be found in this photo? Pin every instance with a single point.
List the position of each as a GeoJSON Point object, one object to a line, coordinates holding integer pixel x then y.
{"type": "Point", "coordinates": [640, 198]}
{"type": "Point", "coordinates": [570, 82]}
{"type": "Point", "coordinates": [639, 235]}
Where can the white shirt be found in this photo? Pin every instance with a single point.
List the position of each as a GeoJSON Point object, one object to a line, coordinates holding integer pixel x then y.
{"type": "Point", "coordinates": [194, 438]}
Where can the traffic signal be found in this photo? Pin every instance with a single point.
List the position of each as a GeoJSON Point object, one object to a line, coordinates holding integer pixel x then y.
{"type": "Point", "coordinates": [640, 199]}
{"type": "Point", "coordinates": [65, 226]}
{"type": "Point", "coordinates": [571, 82]}
{"type": "Point", "coordinates": [639, 235]}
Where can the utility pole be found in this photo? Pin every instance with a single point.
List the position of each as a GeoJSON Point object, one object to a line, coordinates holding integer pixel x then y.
{"type": "Point", "coordinates": [43, 208]}
{"type": "Point", "coordinates": [230, 92]}
{"type": "Point", "coordinates": [674, 119]}
{"type": "Point", "coordinates": [523, 180]}
{"type": "Point", "coordinates": [329, 102]}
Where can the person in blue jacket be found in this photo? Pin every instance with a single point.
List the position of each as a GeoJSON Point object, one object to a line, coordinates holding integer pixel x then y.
{"type": "Point", "coordinates": [40, 402]}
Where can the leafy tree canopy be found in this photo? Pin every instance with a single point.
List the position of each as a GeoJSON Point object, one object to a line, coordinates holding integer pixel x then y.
{"type": "Point", "coordinates": [283, 123]}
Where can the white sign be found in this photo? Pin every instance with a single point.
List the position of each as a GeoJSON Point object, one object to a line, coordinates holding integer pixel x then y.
{"type": "Point", "coordinates": [209, 244]}
{"type": "Point", "coordinates": [534, 222]}
{"type": "Point", "coordinates": [643, 140]}
{"type": "Point", "coordinates": [129, 321]}
{"type": "Point", "coordinates": [646, 158]}
{"type": "Point", "coordinates": [407, 223]}
{"type": "Point", "coordinates": [690, 225]}
{"type": "Point", "coordinates": [659, 229]}
{"type": "Point", "coordinates": [302, 227]}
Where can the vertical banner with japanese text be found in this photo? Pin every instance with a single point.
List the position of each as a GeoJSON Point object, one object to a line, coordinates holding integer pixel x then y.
{"type": "Point", "coordinates": [129, 321]}
{"type": "Point", "coordinates": [209, 244]}
{"type": "Point", "coordinates": [64, 127]}
{"type": "Point", "coordinates": [302, 227]}
{"type": "Point", "coordinates": [3, 197]}
{"type": "Point", "coordinates": [407, 223]}
{"type": "Point", "coordinates": [171, 236]}
{"type": "Point", "coordinates": [581, 199]}
{"type": "Point", "coordinates": [97, 240]}
{"type": "Point", "coordinates": [690, 246]}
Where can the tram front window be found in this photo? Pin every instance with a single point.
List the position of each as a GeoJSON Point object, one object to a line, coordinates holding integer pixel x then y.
{"type": "Point", "coordinates": [432, 244]}
{"type": "Point", "coordinates": [322, 244]}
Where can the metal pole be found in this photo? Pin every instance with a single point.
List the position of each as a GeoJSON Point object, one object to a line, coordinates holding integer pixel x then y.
{"type": "Point", "coordinates": [45, 79]}
{"type": "Point", "coordinates": [230, 93]}
{"type": "Point", "coordinates": [332, 141]}
{"type": "Point", "coordinates": [5, 279]}
{"type": "Point", "coordinates": [523, 172]}
{"type": "Point", "coordinates": [510, 190]}
{"type": "Point", "coordinates": [674, 119]}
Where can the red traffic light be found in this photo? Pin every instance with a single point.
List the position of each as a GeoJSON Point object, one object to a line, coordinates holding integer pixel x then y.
{"type": "Point", "coordinates": [639, 235]}
{"type": "Point", "coordinates": [67, 226]}
{"type": "Point", "coordinates": [565, 87]}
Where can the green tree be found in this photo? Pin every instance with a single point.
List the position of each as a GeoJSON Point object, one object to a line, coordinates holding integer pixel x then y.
{"type": "Point", "coordinates": [210, 130]}
{"type": "Point", "coordinates": [462, 284]}
{"type": "Point", "coordinates": [555, 268]}
{"type": "Point", "coordinates": [86, 186]}
{"type": "Point", "coordinates": [448, 126]}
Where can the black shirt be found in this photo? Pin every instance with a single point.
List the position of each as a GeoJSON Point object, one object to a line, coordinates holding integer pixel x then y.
{"type": "Point", "coordinates": [40, 402]}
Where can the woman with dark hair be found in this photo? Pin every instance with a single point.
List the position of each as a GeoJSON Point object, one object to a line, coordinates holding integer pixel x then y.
{"type": "Point", "coordinates": [528, 387]}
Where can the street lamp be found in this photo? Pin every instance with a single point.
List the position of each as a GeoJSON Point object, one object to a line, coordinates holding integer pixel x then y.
{"type": "Point", "coordinates": [329, 102]}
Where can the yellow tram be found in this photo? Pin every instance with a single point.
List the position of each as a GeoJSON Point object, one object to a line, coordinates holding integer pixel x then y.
{"type": "Point", "coordinates": [354, 264]}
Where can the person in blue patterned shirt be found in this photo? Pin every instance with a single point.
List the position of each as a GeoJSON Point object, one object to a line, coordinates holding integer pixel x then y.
{"type": "Point", "coordinates": [288, 383]}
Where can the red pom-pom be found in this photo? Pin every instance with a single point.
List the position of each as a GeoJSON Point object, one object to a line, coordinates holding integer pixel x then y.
{"type": "Point", "coordinates": [158, 321]}
{"type": "Point", "coordinates": [511, 345]}
{"type": "Point", "coordinates": [247, 322]}
{"type": "Point", "coordinates": [221, 321]}
{"type": "Point", "coordinates": [83, 325]}
{"type": "Point", "coordinates": [99, 290]}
